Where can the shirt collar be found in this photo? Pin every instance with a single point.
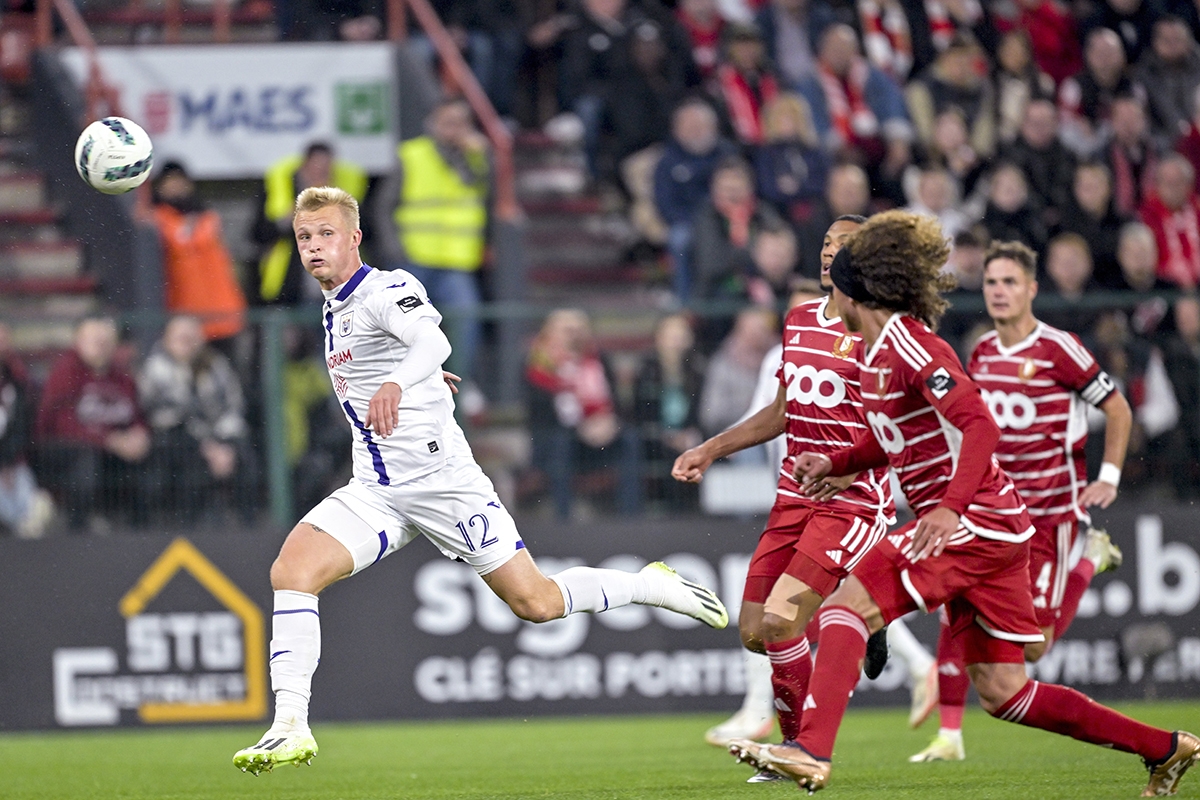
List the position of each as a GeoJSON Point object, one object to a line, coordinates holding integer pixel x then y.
{"type": "Point", "coordinates": [346, 289]}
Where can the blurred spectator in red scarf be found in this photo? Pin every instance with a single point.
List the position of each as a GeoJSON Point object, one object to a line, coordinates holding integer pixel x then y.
{"type": "Point", "coordinates": [702, 22]}
{"type": "Point", "coordinates": [745, 83]}
{"type": "Point", "coordinates": [1173, 213]}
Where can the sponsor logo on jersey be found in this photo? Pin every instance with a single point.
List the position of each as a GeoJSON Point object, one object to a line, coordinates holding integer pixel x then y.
{"type": "Point", "coordinates": [1027, 370]}
{"type": "Point", "coordinates": [940, 383]}
{"type": "Point", "coordinates": [795, 339]}
{"type": "Point", "coordinates": [340, 386]}
{"type": "Point", "coordinates": [181, 661]}
{"type": "Point", "coordinates": [843, 346]}
{"type": "Point", "coordinates": [346, 323]}
{"type": "Point", "coordinates": [407, 304]}
{"type": "Point", "coordinates": [337, 359]}
{"type": "Point", "coordinates": [835, 556]}
{"type": "Point", "coordinates": [897, 540]}
{"type": "Point", "coordinates": [433, 447]}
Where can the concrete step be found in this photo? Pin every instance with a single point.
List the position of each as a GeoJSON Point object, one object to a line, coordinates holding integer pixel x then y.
{"type": "Point", "coordinates": [41, 259]}
{"type": "Point", "coordinates": [22, 192]}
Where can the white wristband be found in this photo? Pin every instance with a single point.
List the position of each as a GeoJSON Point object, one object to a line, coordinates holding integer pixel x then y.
{"type": "Point", "coordinates": [1110, 473]}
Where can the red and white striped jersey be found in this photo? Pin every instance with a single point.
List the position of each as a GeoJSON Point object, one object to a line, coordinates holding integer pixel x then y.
{"type": "Point", "coordinates": [1036, 391]}
{"type": "Point", "coordinates": [912, 388]}
{"type": "Point", "coordinates": [820, 370]}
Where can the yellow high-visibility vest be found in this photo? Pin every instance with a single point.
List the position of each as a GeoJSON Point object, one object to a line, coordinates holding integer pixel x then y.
{"type": "Point", "coordinates": [280, 184]}
{"type": "Point", "coordinates": [442, 220]}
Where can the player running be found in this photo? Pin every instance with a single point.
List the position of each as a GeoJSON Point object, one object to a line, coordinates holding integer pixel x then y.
{"type": "Point", "coordinates": [1036, 381]}
{"type": "Point", "coordinates": [968, 548]}
{"type": "Point", "coordinates": [810, 543]}
{"type": "Point", "coordinates": [414, 475]}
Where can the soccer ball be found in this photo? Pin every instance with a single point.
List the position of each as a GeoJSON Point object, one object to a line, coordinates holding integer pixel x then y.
{"type": "Point", "coordinates": [114, 155]}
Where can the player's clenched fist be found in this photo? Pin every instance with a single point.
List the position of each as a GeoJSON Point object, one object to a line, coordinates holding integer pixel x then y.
{"type": "Point", "coordinates": [691, 464]}
{"type": "Point", "coordinates": [383, 412]}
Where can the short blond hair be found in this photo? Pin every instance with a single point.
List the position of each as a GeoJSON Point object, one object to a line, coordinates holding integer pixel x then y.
{"type": "Point", "coordinates": [314, 198]}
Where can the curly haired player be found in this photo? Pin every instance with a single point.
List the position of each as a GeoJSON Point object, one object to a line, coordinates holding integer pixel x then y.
{"type": "Point", "coordinates": [969, 546]}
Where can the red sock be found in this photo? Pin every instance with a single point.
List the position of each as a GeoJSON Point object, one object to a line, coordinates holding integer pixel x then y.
{"type": "Point", "coordinates": [1061, 710]}
{"type": "Point", "coordinates": [952, 679]}
{"type": "Point", "coordinates": [791, 667]}
{"type": "Point", "coordinates": [1077, 583]}
{"type": "Point", "coordinates": [839, 663]}
{"type": "Point", "coordinates": [813, 632]}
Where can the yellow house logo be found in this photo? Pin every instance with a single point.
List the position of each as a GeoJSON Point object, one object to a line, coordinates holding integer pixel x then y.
{"type": "Point", "coordinates": [180, 666]}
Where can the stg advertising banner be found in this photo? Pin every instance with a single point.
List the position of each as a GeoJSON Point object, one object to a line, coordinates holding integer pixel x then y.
{"type": "Point", "coordinates": [231, 112]}
{"type": "Point", "coordinates": [147, 630]}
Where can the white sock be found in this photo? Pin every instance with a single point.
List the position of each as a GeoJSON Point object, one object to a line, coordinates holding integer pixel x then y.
{"type": "Point", "coordinates": [591, 589]}
{"type": "Point", "coordinates": [760, 695]}
{"type": "Point", "coordinates": [911, 652]}
{"type": "Point", "coordinates": [295, 653]}
{"type": "Point", "coordinates": [954, 735]}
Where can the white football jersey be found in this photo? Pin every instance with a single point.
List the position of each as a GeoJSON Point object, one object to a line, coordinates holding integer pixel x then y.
{"type": "Point", "coordinates": [364, 319]}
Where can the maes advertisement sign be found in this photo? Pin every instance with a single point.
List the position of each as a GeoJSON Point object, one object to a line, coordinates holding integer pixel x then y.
{"type": "Point", "coordinates": [231, 112]}
{"type": "Point", "coordinates": [142, 630]}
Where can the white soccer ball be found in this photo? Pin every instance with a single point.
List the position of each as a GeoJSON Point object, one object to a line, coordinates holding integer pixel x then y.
{"type": "Point", "coordinates": [114, 155]}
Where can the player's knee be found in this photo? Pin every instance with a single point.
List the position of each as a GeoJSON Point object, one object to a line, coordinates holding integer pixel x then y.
{"type": "Point", "coordinates": [996, 684]}
{"type": "Point", "coordinates": [1035, 650]}
{"type": "Point", "coordinates": [778, 628]}
{"type": "Point", "coordinates": [290, 574]}
{"type": "Point", "coordinates": [752, 639]}
{"type": "Point", "coordinates": [536, 608]}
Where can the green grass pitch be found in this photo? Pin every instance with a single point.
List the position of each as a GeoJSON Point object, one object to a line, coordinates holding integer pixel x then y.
{"type": "Point", "coordinates": [598, 758]}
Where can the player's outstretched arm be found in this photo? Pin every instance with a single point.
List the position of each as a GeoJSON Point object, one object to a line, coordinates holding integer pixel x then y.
{"type": "Point", "coordinates": [762, 427]}
{"type": "Point", "coordinates": [1118, 422]}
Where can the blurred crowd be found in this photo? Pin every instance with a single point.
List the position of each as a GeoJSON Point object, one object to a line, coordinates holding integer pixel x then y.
{"type": "Point", "coordinates": [732, 133]}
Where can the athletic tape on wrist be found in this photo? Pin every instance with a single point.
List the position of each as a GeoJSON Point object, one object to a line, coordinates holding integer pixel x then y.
{"type": "Point", "coordinates": [1110, 473]}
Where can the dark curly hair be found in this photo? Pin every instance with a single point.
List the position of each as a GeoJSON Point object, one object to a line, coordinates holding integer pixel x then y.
{"type": "Point", "coordinates": [900, 256]}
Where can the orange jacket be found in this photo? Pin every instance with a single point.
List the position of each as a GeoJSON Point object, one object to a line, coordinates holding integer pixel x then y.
{"type": "Point", "coordinates": [198, 271]}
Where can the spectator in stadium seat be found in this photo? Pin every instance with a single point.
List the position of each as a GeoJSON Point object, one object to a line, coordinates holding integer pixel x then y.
{"type": "Point", "coordinates": [25, 509]}
{"type": "Point", "coordinates": [1137, 254]}
{"type": "Point", "coordinates": [1018, 81]}
{"type": "Point", "coordinates": [733, 371]}
{"type": "Point", "coordinates": [666, 402]}
{"type": "Point", "coordinates": [645, 91]}
{"type": "Point", "coordinates": [1046, 163]}
{"type": "Point", "coordinates": [198, 272]}
{"type": "Point", "coordinates": [278, 277]}
{"type": "Point", "coordinates": [790, 165]}
{"type": "Point", "coordinates": [703, 23]}
{"type": "Point", "coordinates": [1132, 20]}
{"type": "Point", "coordinates": [791, 30]}
{"type": "Point", "coordinates": [966, 265]}
{"type": "Point", "coordinates": [1085, 99]}
{"type": "Point", "coordinates": [951, 148]}
{"type": "Point", "coordinates": [572, 414]}
{"type": "Point", "coordinates": [1173, 213]}
{"type": "Point", "coordinates": [192, 400]}
{"type": "Point", "coordinates": [744, 84]}
{"type": "Point", "coordinates": [725, 228]}
{"type": "Point", "coordinates": [1170, 71]}
{"type": "Point", "coordinates": [1068, 275]}
{"type": "Point", "coordinates": [847, 191]}
{"type": "Point", "coordinates": [859, 111]}
{"type": "Point", "coordinates": [1052, 35]}
{"type": "Point", "coordinates": [1011, 215]}
{"type": "Point", "coordinates": [1131, 153]}
{"type": "Point", "coordinates": [90, 433]}
{"type": "Point", "coordinates": [1090, 213]}
{"type": "Point", "coordinates": [936, 194]}
{"type": "Point", "coordinates": [682, 179]}
{"type": "Point", "coordinates": [1181, 356]}
{"type": "Point", "coordinates": [953, 81]}
{"type": "Point", "coordinates": [431, 217]}
{"type": "Point", "coordinates": [1188, 144]}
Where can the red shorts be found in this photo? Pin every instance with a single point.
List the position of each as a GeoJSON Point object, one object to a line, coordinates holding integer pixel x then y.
{"type": "Point", "coordinates": [1049, 566]}
{"type": "Point", "coordinates": [810, 544]}
{"type": "Point", "coordinates": [983, 583]}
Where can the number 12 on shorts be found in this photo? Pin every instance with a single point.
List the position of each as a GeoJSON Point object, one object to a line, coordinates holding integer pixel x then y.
{"type": "Point", "coordinates": [470, 527]}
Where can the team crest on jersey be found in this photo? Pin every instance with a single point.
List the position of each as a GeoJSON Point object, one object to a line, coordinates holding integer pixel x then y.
{"type": "Point", "coordinates": [346, 323]}
{"type": "Point", "coordinates": [843, 346]}
{"type": "Point", "coordinates": [1028, 370]}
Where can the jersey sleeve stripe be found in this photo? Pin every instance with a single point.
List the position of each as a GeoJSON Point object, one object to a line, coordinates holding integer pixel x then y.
{"type": "Point", "coordinates": [1072, 348]}
{"type": "Point", "coordinates": [904, 334]}
{"type": "Point", "coordinates": [902, 350]}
